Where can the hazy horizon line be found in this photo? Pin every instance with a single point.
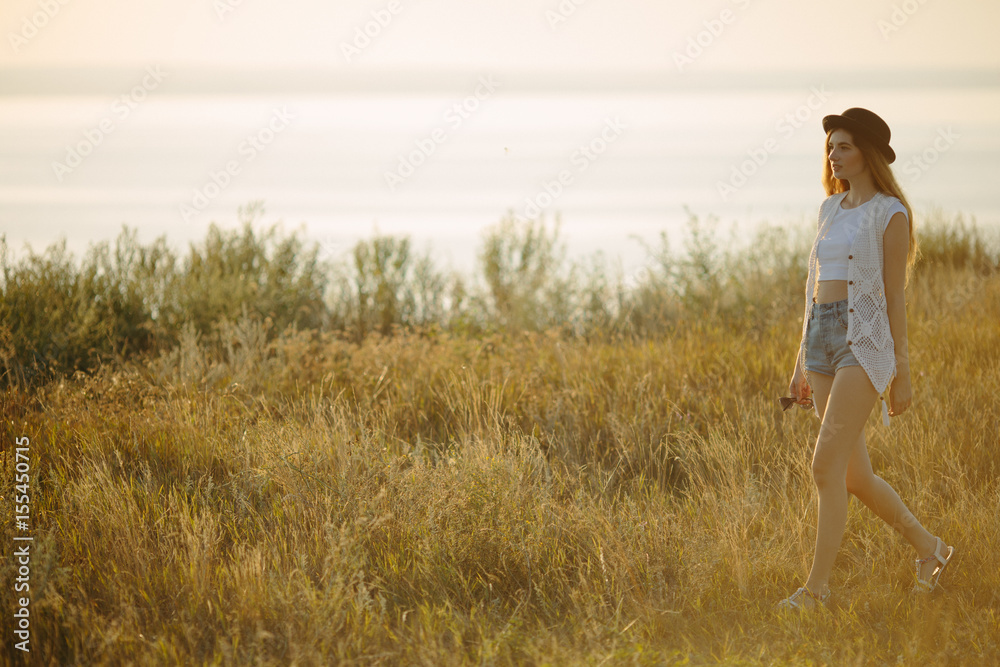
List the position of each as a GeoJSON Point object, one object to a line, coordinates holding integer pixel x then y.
{"type": "Point", "coordinates": [193, 80]}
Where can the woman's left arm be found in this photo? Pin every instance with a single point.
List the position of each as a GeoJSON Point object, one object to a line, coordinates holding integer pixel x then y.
{"type": "Point", "coordinates": [895, 244]}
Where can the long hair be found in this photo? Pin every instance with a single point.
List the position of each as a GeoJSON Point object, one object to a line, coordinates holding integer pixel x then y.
{"type": "Point", "coordinates": [885, 182]}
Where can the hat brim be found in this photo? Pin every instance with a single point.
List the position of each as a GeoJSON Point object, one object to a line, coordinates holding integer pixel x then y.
{"type": "Point", "coordinates": [854, 127]}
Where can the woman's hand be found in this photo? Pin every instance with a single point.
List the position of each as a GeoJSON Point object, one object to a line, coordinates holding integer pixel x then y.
{"type": "Point", "coordinates": [900, 394]}
{"type": "Point", "coordinates": [799, 389]}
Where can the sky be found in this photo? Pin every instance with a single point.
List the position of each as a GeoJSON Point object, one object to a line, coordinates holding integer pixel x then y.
{"type": "Point", "coordinates": [547, 35]}
{"type": "Point", "coordinates": [64, 57]}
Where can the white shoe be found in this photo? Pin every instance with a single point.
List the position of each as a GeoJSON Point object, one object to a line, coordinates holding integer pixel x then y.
{"type": "Point", "coordinates": [929, 584]}
{"type": "Point", "coordinates": [804, 599]}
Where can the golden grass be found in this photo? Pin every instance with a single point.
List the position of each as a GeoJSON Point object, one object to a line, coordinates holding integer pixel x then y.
{"type": "Point", "coordinates": [429, 498]}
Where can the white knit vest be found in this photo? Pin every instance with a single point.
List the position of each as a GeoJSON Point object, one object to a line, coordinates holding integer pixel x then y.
{"type": "Point", "coordinates": [868, 331]}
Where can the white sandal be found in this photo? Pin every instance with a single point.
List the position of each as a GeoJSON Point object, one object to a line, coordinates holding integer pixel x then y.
{"type": "Point", "coordinates": [797, 599]}
{"type": "Point", "coordinates": [929, 584]}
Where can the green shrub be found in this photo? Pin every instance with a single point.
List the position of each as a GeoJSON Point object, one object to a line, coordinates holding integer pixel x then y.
{"type": "Point", "coordinates": [58, 318]}
{"type": "Point", "coordinates": [242, 271]}
{"type": "Point", "coordinates": [133, 299]}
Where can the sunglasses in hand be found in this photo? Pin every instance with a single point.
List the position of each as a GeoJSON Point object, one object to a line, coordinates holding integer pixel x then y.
{"type": "Point", "coordinates": [789, 401]}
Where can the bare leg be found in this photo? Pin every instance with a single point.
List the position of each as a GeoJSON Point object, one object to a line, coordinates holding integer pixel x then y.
{"type": "Point", "coordinates": [883, 500]}
{"type": "Point", "coordinates": [850, 401]}
{"type": "Point", "coordinates": [871, 489]}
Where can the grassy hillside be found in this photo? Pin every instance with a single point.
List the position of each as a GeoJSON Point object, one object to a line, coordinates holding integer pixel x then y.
{"type": "Point", "coordinates": [249, 457]}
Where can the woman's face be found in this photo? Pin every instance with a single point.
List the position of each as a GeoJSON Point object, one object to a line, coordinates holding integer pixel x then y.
{"type": "Point", "coordinates": [845, 158]}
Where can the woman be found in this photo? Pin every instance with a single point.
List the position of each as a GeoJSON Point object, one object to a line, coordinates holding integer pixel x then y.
{"type": "Point", "coordinates": [854, 341]}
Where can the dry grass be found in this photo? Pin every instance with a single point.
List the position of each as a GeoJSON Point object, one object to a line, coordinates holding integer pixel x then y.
{"type": "Point", "coordinates": [428, 498]}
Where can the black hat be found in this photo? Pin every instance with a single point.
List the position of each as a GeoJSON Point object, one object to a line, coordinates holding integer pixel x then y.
{"type": "Point", "coordinates": [863, 121]}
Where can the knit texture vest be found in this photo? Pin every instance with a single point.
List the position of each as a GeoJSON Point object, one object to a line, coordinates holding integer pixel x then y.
{"type": "Point", "coordinates": [868, 331]}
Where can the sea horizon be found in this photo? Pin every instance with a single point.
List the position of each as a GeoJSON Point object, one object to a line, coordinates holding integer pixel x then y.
{"type": "Point", "coordinates": [613, 166]}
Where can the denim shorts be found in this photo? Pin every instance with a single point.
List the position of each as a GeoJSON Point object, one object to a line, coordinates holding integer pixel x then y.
{"type": "Point", "coordinates": [826, 339]}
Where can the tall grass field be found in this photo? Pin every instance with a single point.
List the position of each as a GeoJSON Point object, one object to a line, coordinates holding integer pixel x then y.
{"type": "Point", "coordinates": [253, 454]}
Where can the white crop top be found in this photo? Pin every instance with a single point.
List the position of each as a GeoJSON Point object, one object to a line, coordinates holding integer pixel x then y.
{"type": "Point", "coordinates": [834, 247]}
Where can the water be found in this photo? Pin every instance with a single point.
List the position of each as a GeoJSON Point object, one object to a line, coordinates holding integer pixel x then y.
{"type": "Point", "coordinates": [175, 163]}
